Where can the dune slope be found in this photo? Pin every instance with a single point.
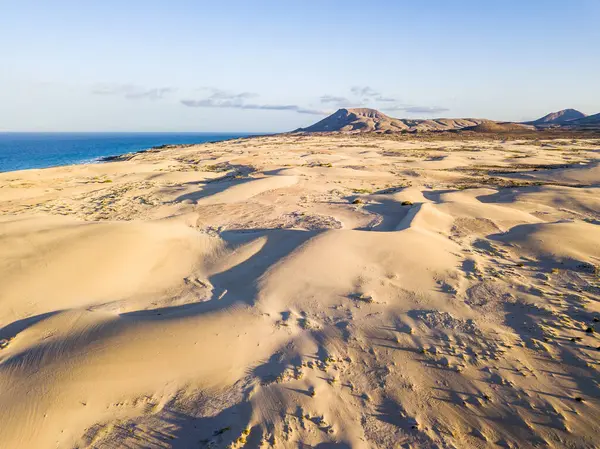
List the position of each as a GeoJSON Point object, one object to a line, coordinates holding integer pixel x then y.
{"type": "Point", "coordinates": [304, 291]}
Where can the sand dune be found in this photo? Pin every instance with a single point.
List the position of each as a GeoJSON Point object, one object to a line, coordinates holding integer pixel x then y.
{"type": "Point", "coordinates": [305, 291]}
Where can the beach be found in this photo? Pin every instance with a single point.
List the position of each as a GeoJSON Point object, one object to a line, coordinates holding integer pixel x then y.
{"type": "Point", "coordinates": [326, 291]}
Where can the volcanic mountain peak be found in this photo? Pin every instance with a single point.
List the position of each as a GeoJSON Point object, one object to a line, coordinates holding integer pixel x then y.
{"type": "Point", "coordinates": [559, 117]}
{"type": "Point", "coordinates": [371, 120]}
{"type": "Point", "coordinates": [363, 112]}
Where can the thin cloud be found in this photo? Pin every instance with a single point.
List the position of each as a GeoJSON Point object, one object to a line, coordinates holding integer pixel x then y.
{"type": "Point", "coordinates": [385, 99]}
{"type": "Point", "coordinates": [152, 94]}
{"type": "Point", "coordinates": [238, 102]}
{"type": "Point", "coordinates": [340, 102]}
{"type": "Point", "coordinates": [364, 91]}
{"type": "Point", "coordinates": [334, 99]}
{"type": "Point", "coordinates": [219, 94]}
{"type": "Point", "coordinates": [131, 91]}
{"type": "Point", "coordinates": [289, 107]}
{"type": "Point", "coordinates": [363, 95]}
{"type": "Point", "coordinates": [417, 109]}
{"type": "Point", "coordinates": [425, 109]}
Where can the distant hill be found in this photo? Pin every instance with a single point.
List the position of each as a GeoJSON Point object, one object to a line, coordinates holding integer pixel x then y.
{"type": "Point", "coordinates": [364, 120]}
{"type": "Point", "coordinates": [588, 121]}
{"type": "Point", "coordinates": [489, 126]}
{"type": "Point", "coordinates": [357, 120]}
{"type": "Point", "coordinates": [558, 118]}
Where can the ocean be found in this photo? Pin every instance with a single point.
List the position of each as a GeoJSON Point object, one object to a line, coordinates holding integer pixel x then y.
{"type": "Point", "coordinates": [19, 151]}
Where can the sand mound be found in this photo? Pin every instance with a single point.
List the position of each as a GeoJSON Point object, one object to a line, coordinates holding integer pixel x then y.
{"type": "Point", "coordinates": [574, 244]}
{"type": "Point", "coordinates": [83, 264]}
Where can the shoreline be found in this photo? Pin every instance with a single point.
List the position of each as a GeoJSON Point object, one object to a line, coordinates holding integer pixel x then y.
{"type": "Point", "coordinates": [117, 156]}
{"type": "Point", "coordinates": [169, 146]}
{"type": "Point", "coordinates": [452, 135]}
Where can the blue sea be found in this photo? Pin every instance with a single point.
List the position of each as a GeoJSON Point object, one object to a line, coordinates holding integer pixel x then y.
{"type": "Point", "coordinates": [20, 151]}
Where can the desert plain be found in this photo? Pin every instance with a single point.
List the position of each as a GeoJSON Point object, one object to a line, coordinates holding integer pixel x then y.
{"type": "Point", "coordinates": [305, 291]}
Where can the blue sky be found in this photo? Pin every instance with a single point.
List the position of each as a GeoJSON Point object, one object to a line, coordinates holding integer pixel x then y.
{"type": "Point", "coordinates": [183, 65]}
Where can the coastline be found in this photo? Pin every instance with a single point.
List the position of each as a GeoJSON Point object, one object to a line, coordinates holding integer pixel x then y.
{"type": "Point", "coordinates": [22, 151]}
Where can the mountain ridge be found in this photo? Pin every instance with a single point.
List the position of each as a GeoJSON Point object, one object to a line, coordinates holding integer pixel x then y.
{"type": "Point", "coordinates": [588, 120]}
{"type": "Point", "coordinates": [357, 120]}
{"type": "Point", "coordinates": [365, 120]}
{"type": "Point", "coordinates": [561, 117]}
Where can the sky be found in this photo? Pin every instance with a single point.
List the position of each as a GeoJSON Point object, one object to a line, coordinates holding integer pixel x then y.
{"type": "Point", "coordinates": [270, 66]}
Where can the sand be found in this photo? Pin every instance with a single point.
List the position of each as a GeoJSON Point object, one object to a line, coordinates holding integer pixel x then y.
{"type": "Point", "coordinates": [305, 291]}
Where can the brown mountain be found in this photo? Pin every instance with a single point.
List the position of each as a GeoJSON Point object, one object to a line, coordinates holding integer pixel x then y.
{"type": "Point", "coordinates": [358, 120]}
{"type": "Point", "coordinates": [489, 126]}
{"type": "Point", "coordinates": [558, 118]}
